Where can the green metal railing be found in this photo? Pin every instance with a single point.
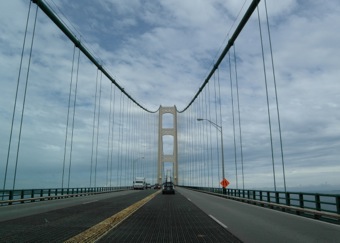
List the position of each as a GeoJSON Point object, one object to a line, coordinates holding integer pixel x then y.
{"type": "Point", "coordinates": [316, 205]}
{"type": "Point", "coordinates": [9, 197]}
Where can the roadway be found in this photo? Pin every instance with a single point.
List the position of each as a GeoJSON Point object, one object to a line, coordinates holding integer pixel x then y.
{"type": "Point", "coordinates": [59, 220]}
{"type": "Point", "coordinates": [252, 223]}
{"type": "Point", "coordinates": [184, 214]}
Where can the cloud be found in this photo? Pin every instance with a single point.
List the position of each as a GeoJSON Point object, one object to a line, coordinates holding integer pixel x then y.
{"type": "Point", "coordinates": [161, 53]}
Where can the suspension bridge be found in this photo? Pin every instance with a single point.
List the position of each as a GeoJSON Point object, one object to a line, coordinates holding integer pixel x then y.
{"type": "Point", "coordinates": [72, 131]}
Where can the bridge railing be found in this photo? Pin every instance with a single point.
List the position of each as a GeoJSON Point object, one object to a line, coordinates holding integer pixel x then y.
{"type": "Point", "coordinates": [9, 197]}
{"type": "Point", "coordinates": [309, 204]}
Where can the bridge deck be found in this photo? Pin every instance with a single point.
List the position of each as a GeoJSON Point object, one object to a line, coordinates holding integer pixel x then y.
{"type": "Point", "coordinates": [166, 218]}
{"type": "Point", "coordinates": [169, 218]}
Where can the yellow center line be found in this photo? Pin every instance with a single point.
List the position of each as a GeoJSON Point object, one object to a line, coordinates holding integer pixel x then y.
{"type": "Point", "coordinates": [95, 232]}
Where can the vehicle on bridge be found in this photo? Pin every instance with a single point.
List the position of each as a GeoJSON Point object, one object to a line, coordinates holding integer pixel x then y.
{"type": "Point", "coordinates": [139, 183]}
{"type": "Point", "coordinates": [168, 188]}
{"type": "Point", "coordinates": [157, 186]}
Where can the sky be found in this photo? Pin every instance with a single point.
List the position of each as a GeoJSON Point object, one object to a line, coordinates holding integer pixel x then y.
{"type": "Point", "coordinates": [161, 52]}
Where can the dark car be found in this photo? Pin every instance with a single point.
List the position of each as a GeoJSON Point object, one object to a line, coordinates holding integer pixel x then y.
{"type": "Point", "coordinates": [168, 188]}
{"type": "Point", "coordinates": [157, 186]}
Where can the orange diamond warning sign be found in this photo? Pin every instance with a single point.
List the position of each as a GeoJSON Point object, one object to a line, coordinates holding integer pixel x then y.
{"type": "Point", "coordinates": [224, 183]}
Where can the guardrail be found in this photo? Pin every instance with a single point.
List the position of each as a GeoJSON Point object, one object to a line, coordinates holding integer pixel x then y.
{"type": "Point", "coordinates": [316, 205]}
{"type": "Point", "coordinates": [9, 197]}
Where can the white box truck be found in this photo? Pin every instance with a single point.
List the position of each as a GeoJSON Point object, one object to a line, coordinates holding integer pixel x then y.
{"type": "Point", "coordinates": [139, 183]}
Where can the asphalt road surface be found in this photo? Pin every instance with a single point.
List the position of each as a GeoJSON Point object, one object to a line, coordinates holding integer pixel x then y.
{"type": "Point", "coordinates": [252, 223]}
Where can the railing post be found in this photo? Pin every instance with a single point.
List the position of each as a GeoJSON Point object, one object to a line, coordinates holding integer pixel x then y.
{"type": "Point", "coordinates": [10, 196]}
{"type": "Point", "coordinates": [301, 202]}
{"type": "Point", "coordinates": [338, 204]}
{"type": "Point", "coordinates": [277, 197]}
{"type": "Point", "coordinates": [287, 198]}
{"type": "Point", "coordinates": [32, 195]}
{"type": "Point", "coordinates": [268, 196]}
{"type": "Point", "coordinates": [317, 205]}
{"type": "Point", "coordinates": [317, 202]}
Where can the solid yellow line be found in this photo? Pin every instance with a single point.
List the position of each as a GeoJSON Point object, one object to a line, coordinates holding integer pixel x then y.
{"type": "Point", "coordinates": [95, 232]}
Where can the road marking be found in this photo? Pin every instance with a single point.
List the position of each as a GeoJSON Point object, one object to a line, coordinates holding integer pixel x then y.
{"type": "Point", "coordinates": [94, 233]}
{"type": "Point", "coordinates": [217, 221]}
{"type": "Point", "coordinates": [189, 199]}
{"type": "Point", "coordinates": [90, 202]}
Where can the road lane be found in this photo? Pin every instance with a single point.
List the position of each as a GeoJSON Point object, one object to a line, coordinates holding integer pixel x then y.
{"type": "Point", "coordinates": [169, 218]}
{"type": "Point", "coordinates": [51, 222]}
{"type": "Point", "coordinates": [27, 209]}
{"type": "Point", "coordinates": [252, 223]}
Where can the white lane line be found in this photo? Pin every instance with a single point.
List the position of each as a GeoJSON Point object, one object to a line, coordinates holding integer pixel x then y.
{"type": "Point", "coordinates": [217, 221]}
{"type": "Point", "coordinates": [189, 199]}
{"type": "Point", "coordinates": [90, 202]}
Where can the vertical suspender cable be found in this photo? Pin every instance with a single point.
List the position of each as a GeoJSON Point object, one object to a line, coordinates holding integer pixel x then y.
{"type": "Point", "coordinates": [112, 133]}
{"type": "Point", "coordinates": [220, 103]}
{"type": "Point", "coordinates": [239, 117]}
{"type": "Point", "coordinates": [198, 139]}
{"type": "Point", "coordinates": [74, 112]}
{"type": "Point", "coordinates": [123, 141]}
{"type": "Point", "coordinates": [207, 167]}
{"type": "Point", "coordinates": [24, 101]}
{"type": "Point", "coordinates": [68, 118]}
{"type": "Point", "coordinates": [233, 115]}
{"type": "Point", "coordinates": [196, 160]}
{"type": "Point", "coordinates": [108, 140]}
{"type": "Point", "coordinates": [94, 125]}
{"type": "Point", "coordinates": [276, 98]}
{"type": "Point", "coordinates": [119, 137]}
{"type": "Point", "coordinates": [16, 99]}
{"type": "Point", "coordinates": [216, 121]}
{"type": "Point", "coordinates": [128, 142]}
{"type": "Point", "coordinates": [98, 126]}
{"type": "Point", "coordinates": [210, 139]}
{"type": "Point", "coordinates": [189, 153]}
{"type": "Point", "coordinates": [203, 133]}
{"type": "Point", "coordinates": [268, 108]}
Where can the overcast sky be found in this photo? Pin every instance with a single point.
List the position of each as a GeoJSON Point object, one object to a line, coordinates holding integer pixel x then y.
{"type": "Point", "coordinates": [160, 52]}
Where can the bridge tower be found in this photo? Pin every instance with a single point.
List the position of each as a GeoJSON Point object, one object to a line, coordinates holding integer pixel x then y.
{"type": "Point", "coordinates": [172, 131]}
